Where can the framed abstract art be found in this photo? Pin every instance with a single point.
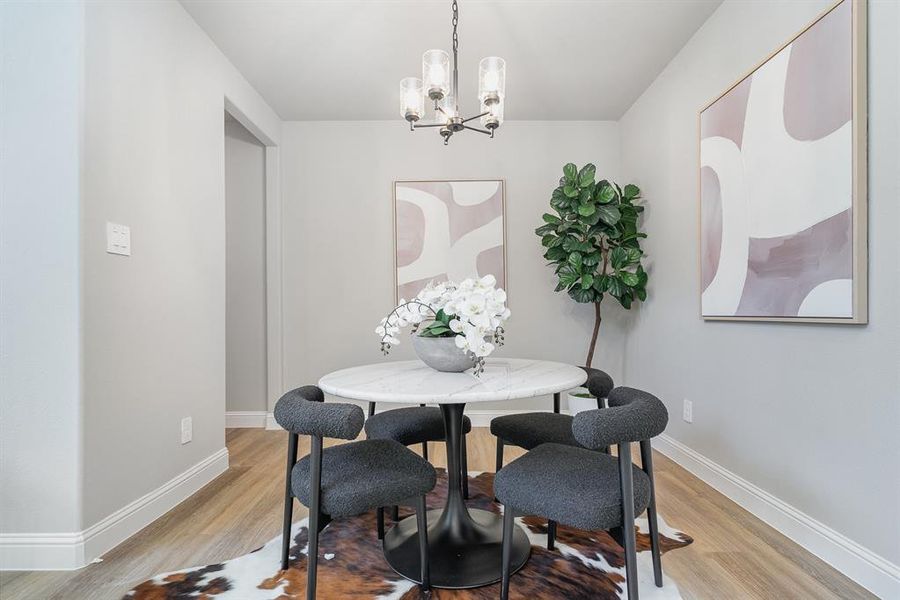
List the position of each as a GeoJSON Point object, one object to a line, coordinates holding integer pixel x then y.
{"type": "Point", "coordinates": [448, 229]}
{"type": "Point", "coordinates": [783, 182]}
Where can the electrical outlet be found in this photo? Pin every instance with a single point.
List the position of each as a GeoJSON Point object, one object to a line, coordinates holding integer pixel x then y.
{"type": "Point", "coordinates": [688, 411]}
{"type": "Point", "coordinates": [187, 430]}
{"type": "Point", "coordinates": [118, 239]}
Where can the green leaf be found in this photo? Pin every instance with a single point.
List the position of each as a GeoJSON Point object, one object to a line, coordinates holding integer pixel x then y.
{"type": "Point", "coordinates": [625, 300]}
{"type": "Point", "coordinates": [606, 194]}
{"type": "Point", "coordinates": [618, 257]}
{"type": "Point", "coordinates": [616, 287]}
{"type": "Point", "coordinates": [545, 229]}
{"type": "Point", "coordinates": [591, 259]}
{"type": "Point", "coordinates": [631, 191]}
{"type": "Point", "coordinates": [557, 241]}
{"type": "Point", "coordinates": [629, 279]}
{"type": "Point", "coordinates": [569, 172]}
{"type": "Point", "coordinates": [582, 296]}
{"type": "Point", "coordinates": [586, 175]}
{"type": "Point", "coordinates": [609, 214]}
{"type": "Point", "coordinates": [585, 195]}
{"type": "Point", "coordinates": [570, 244]}
{"type": "Point", "coordinates": [556, 254]}
{"type": "Point", "coordinates": [575, 259]}
{"type": "Point", "coordinates": [570, 190]}
{"type": "Point", "coordinates": [587, 280]}
{"type": "Point", "coordinates": [586, 210]}
{"type": "Point", "coordinates": [641, 294]}
{"type": "Point", "coordinates": [547, 240]}
{"type": "Point", "coordinates": [548, 218]}
{"type": "Point", "coordinates": [601, 283]}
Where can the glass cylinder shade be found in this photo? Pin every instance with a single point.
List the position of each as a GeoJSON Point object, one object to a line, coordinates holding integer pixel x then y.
{"type": "Point", "coordinates": [494, 118]}
{"type": "Point", "coordinates": [436, 73]}
{"type": "Point", "coordinates": [447, 104]}
{"type": "Point", "coordinates": [412, 99]}
{"type": "Point", "coordinates": [491, 80]}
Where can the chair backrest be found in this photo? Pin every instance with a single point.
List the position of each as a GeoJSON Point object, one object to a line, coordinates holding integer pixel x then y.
{"type": "Point", "coordinates": [304, 411]}
{"type": "Point", "coordinates": [599, 384]}
{"type": "Point", "coordinates": [632, 416]}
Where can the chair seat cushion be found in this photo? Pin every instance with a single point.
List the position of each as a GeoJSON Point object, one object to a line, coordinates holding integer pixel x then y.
{"type": "Point", "coordinates": [573, 486]}
{"type": "Point", "coordinates": [359, 476]}
{"type": "Point", "coordinates": [530, 430]}
{"type": "Point", "coordinates": [410, 425]}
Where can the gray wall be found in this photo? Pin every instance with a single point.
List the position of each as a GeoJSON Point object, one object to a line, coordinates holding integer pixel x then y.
{"type": "Point", "coordinates": [40, 305]}
{"type": "Point", "coordinates": [245, 270]}
{"type": "Point", "coordinates": [338, 235]}
{"type": "Point", "coordinates": [809, 413]}
{"type": "Point", "coordinates": [154, 322]}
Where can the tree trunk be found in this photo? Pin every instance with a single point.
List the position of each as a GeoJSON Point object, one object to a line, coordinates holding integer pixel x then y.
{"type": "Point", "coordinates": [590, 356]}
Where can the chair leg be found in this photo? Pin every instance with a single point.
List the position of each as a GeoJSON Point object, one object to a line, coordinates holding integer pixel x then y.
{"type": "Point", "coordinates": [422, 524]}
{"type": "Point", "coordinates": [506, 550]}
{"type": "Point", "coordinates": [499, 463]}
{"type": "Point", "coordinates": [647, 464]}
{"type": "Point", "coordinates": [312, 557]}
{"type": "Point", "coordinates": [395, 514]}
{"type": "Point", "coordinates": [315, 512]}
{"type": "Point", "coordinates": [425, 450]}
{"type": "Point", "coordinates": [288, 501]}
{"type": "Point", "coordinates": [551, 535]}
{"type": "Point", "coordinates": [626, 484]}
{"type": "Point", "coordinates": [379, 518]}
{"type": "Point", "coordinates": [464, 476]}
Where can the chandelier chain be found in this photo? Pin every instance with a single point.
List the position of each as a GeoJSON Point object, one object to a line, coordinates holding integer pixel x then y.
{"type": "Point", "coordinates": [455, 90]}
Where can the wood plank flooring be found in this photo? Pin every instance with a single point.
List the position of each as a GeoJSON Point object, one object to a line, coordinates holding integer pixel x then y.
{"type": "Point", "coordinates": [734, 555]}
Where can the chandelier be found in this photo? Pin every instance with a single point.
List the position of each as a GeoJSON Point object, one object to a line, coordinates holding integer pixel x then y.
{"type": "Point", "coordinates": [438, 87]}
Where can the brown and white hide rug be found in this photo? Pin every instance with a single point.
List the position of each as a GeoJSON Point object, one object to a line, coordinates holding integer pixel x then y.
{"type": "Point", "coordinates": [584, 565]}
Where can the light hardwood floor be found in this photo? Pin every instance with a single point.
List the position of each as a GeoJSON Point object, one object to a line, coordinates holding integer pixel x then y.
{"type": "Point", "coordinates": [734, 555]}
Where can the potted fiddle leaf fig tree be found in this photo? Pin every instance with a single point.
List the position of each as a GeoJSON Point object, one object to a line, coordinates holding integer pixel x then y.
{"type": "Point", "coordinates": [592, 240]}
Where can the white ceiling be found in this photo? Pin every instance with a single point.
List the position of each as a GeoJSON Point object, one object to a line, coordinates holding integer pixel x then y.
{"type": "Point", "coordinates": [343, 60]}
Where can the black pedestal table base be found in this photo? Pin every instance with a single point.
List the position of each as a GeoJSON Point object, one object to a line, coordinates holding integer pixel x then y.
{"type": "Point", "coordinates": [463, 544]}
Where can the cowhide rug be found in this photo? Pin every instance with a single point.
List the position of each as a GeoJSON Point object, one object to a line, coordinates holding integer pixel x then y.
{"type": "Point", "coordinates": [585, 565]}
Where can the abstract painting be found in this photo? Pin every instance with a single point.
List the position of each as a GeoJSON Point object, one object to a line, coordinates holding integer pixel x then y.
{"type": "Point", "coordinates": [782, 182]}
{"type": "Point", "coordinates": [448, 230]}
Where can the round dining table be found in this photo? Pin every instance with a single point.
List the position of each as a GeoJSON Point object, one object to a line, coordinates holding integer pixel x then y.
{"type": "Point", "coordinates": [464, 543]}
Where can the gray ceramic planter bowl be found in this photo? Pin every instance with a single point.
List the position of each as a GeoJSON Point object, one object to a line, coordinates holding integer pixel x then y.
{"type": "Point", "coordinates": [441, 354]}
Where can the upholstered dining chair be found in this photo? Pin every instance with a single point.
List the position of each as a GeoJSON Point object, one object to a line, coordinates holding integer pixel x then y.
{"type": "Point", "coordinates": [347, 479]}
{"type": "Point", "coordinates": [530, 430]}
{"type": "Point", "coordinates": [416, 425]}
{"type": "Point", "coordinates": [590, 490]}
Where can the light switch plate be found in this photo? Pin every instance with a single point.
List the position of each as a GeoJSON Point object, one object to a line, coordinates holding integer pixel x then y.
{"type": "Point", "coordinates": [118, 239]}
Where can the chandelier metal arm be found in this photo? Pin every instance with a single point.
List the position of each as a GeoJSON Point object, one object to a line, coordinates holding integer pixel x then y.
{"type": "Point", "coordinates": [484, 131]}
{"type": "Point", "coordinates": [487, 112]}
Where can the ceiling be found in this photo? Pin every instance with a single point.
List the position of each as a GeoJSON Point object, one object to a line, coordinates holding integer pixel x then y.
{"type": "Point", "coordinates": [343, 59]}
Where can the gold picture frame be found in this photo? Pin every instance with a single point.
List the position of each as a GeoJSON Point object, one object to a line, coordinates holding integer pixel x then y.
{"type": "Point", "coordinates": [501, 181]}
{"type": "Point", "coordinates": [859, 208]}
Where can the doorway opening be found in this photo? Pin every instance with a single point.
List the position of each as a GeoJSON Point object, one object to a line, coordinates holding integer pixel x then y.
{"type": "Point", "coordinates": [246, 360]}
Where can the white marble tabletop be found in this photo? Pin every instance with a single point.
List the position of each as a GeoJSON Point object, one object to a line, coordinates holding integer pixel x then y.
{"type": "Point", "coordinates": [411, 382]}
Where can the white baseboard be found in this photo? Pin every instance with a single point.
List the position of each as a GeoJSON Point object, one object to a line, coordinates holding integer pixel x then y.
{"type": "Point", "coordinates": [868, 569]}
{"type": "Point", "coordinates": [68, 551]}
{"type": "Point", "coordinates": [245, 418]}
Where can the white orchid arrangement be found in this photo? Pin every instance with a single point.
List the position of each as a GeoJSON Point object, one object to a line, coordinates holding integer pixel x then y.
{"type": "Point", "coordinates": [468, 311]}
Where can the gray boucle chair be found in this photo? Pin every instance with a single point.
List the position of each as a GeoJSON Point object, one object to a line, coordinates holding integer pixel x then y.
{"type": "Point", "coordinates": [582, 488]}
{"type": "Point", "coordinates": [416, 425]}
{"type": "Point", "coordinates": [530, 430]}
{"type": "Point", "coordinates": [347, 479]}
